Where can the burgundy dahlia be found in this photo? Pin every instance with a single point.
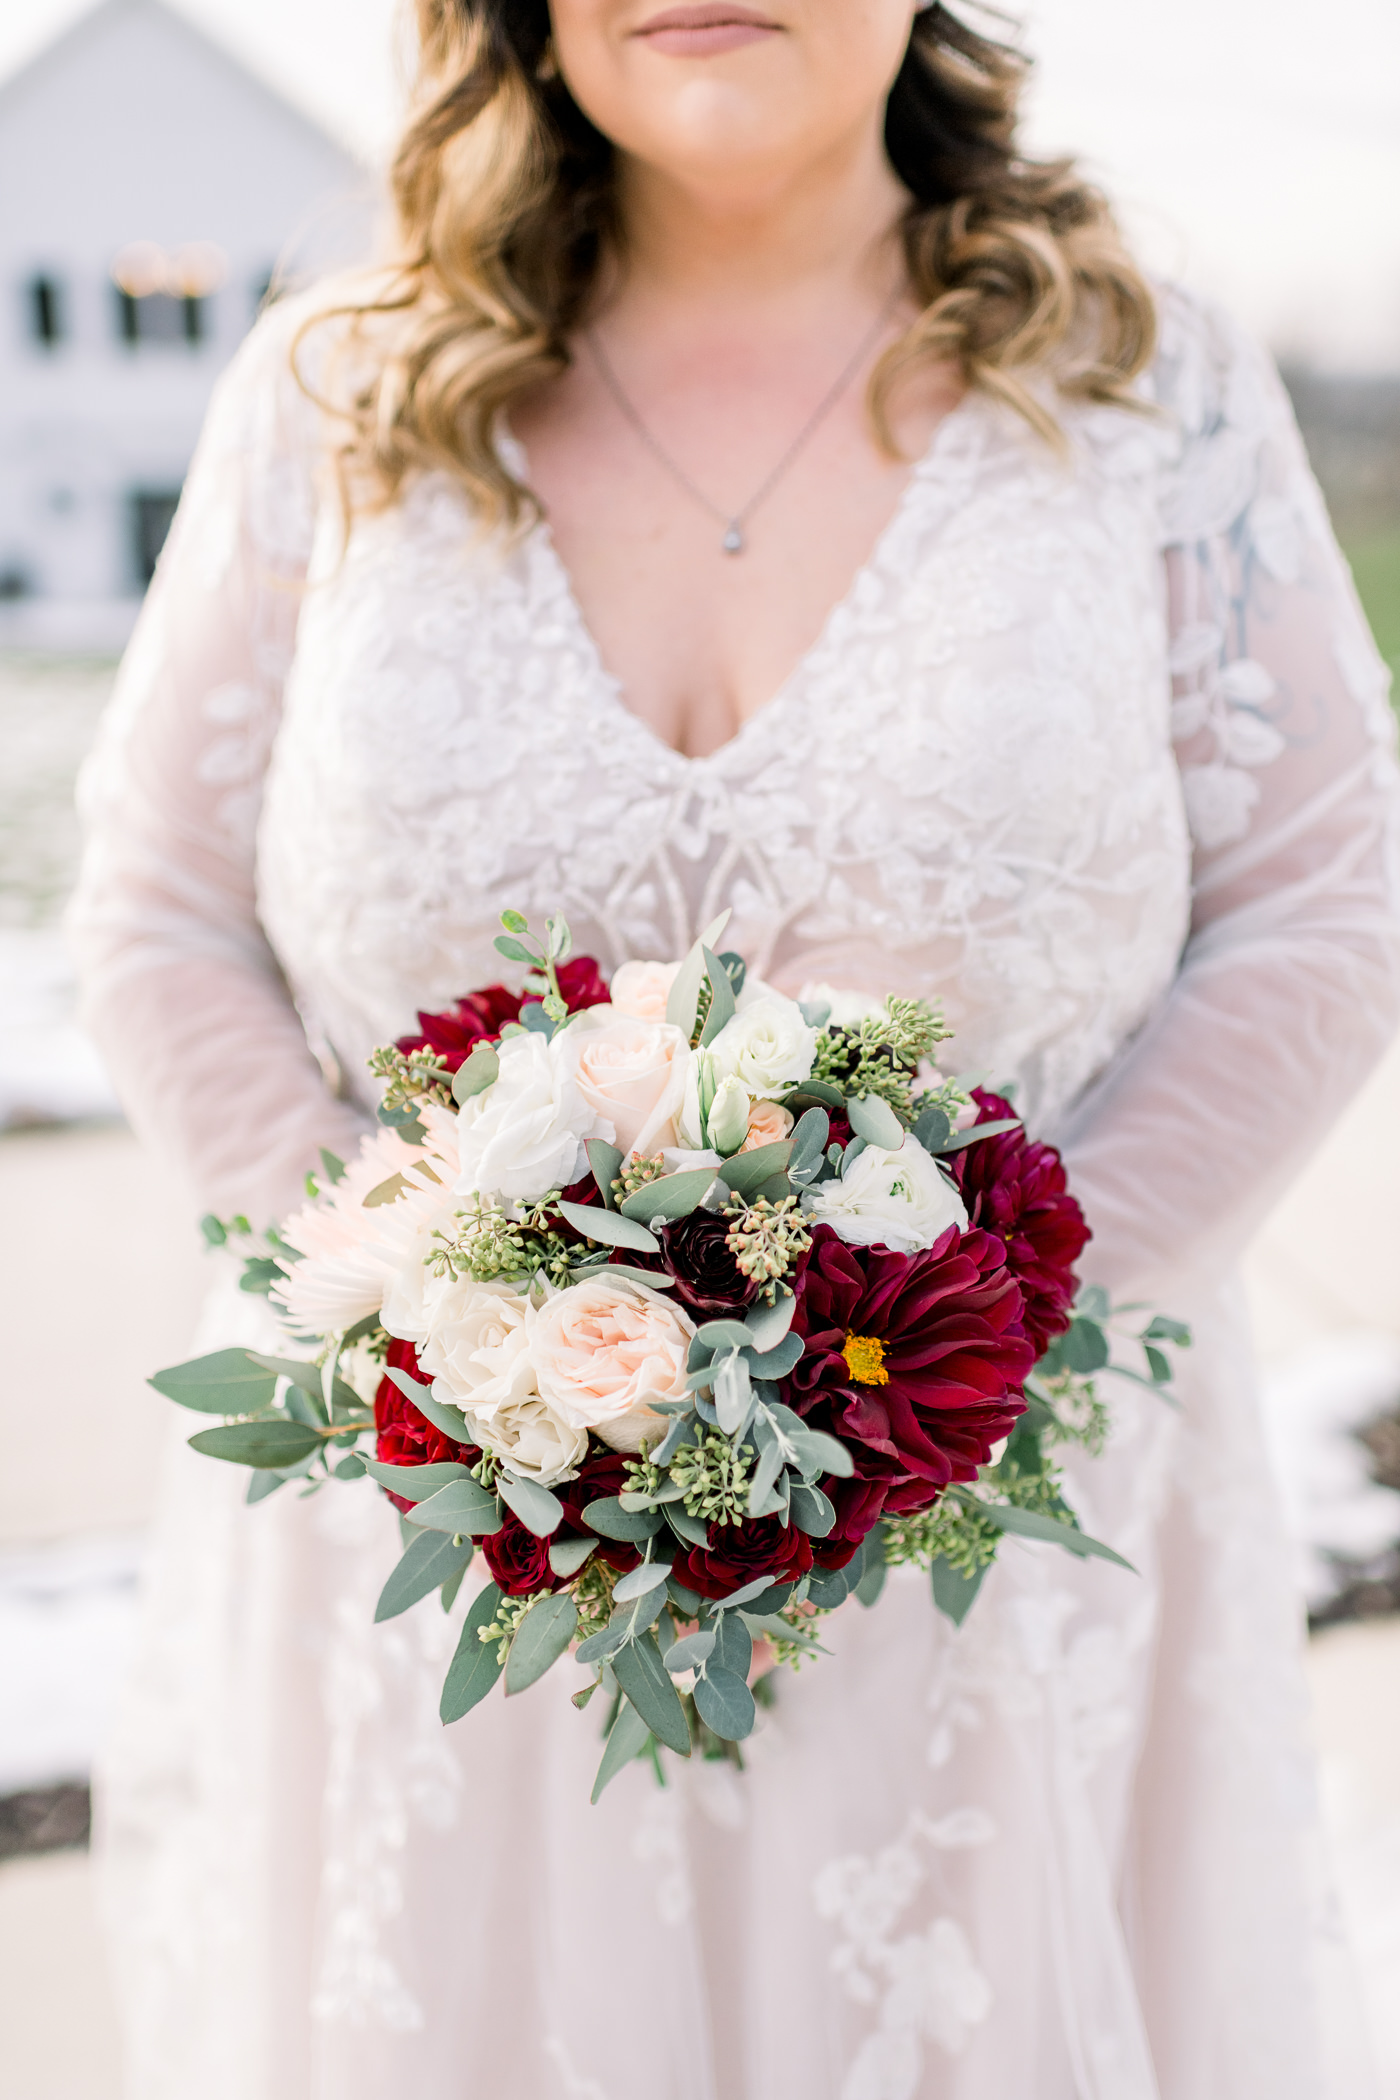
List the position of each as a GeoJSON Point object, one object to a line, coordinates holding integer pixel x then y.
{"type": "Point", "coordinates": [708, 1278]}
{"type": "Point", "coordinates": [480, 1017]}
{"type": "Point", "coordinates": [406, 1437]}
{"type": "Point", "coordinates": [740, 1553]}
{"type": "Point", "coordinates": [1016, 1189]}
{"type": "Point", "coordinates": [915, 1361]}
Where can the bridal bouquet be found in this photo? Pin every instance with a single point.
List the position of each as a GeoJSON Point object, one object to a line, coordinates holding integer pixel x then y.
{"type": "Point", "coordinates": [694, 1308]}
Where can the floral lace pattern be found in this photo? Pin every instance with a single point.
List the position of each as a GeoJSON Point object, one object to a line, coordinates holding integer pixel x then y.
{"type": "Point", "coordinates": [1094, 749]}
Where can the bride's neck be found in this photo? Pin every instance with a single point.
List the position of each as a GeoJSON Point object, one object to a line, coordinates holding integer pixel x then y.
{"type": "Point", "coordinates": [806, 237]}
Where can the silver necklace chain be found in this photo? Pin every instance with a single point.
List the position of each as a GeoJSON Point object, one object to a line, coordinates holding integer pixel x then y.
{"type": "Point", "coordinates": [734, 522]}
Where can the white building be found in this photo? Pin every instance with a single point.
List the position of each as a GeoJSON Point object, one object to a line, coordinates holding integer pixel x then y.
{"type": "Point", "coordinates": [148, 188]}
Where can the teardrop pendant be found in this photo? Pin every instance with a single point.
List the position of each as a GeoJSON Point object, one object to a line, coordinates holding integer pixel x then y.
{"type": "Point", "coordinates": [733, 541]}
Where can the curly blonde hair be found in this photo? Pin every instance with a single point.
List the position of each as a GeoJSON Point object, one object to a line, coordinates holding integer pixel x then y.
{"type": "Point", "coordinates": [505, 203]}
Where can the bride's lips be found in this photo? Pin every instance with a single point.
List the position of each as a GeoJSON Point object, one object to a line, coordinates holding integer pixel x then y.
{"type": "Point", "coordinates": [704, 31]}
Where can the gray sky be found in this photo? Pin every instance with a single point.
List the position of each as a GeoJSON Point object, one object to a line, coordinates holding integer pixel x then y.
{"type": "Point", "coordinates": [1253, 146]}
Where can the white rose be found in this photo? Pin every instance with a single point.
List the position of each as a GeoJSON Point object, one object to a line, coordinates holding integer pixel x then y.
{"type": "Point", "coordinates": [478, 1352]}
{"type": "Point", "coordinates": [641, 989]}
{"type": "Point", "coordinates": [631, 1073]}
{"type": "Point", "coordinates": [525, 1134]}
{"type": "Point", "coordinates": [767, 1046]}
{"type": "Point", "coordinates": [888, 1199]}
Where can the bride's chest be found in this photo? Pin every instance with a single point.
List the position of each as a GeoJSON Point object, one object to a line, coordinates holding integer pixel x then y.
{"type": "Point", "coordinates": [975, 749]}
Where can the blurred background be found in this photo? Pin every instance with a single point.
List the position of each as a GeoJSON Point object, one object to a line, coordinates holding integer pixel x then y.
{"type": "Point", "coordinates": [160, 165]}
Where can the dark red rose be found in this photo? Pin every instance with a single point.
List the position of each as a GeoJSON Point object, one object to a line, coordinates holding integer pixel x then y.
{"type": "Point", "coordinates": [405, 1436]}
{"type": "Point", "coordinates": [1017, 1189]}
{"type": "Point", "coordinates": [708, 1279]}
{"type": "Point", "coordinates": [740, 1553]}
{"type": "Point", "coordinates": [519, 1562]}
{"type": "Point", "coordinates": [859, 1505]}
{"type": "Point", "coordinates": [915, 1361]}
{"type": "Point", "coordinates": [480, 1017]}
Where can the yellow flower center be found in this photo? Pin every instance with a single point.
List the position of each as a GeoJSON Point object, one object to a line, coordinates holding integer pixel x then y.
{"type": "Point", "coordinates": [865, 1359]}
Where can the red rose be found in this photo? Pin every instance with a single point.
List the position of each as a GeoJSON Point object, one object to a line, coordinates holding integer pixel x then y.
{"type": "Point", "coordinates": [740, 1553]}
{"type": "Point", "coordinates": [1017, 1189]}
{"type": "Point", "coordinates": [480, 1017]}
{"type": "Point", "coordinates": [405, 1436]}
{"type": "Point", "coordinates": [915, 1361]}
{"type": "Point", "coordinates": [708, 1278]}
{"type": "Point", "coordinates": [519, 1562]}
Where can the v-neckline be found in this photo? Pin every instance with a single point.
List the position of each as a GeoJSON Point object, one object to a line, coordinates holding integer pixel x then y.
{"type": "Point", "coordinates": [930, 460]}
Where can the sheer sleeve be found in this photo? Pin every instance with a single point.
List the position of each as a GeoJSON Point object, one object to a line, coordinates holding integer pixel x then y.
{"type": "Point", "coordinates": [180, 987]}
{"type": "Point", "coordinates": [1289, 986]}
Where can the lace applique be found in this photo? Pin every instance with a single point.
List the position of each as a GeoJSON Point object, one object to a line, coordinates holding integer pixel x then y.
{"type": "Point", "coordinates": [924, 1984]}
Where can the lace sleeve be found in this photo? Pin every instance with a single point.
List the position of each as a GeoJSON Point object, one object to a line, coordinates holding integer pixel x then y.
{"type": "Point", "coordinates": [180, 986]}
{"type": "Point", "coordinates": [1289, 986]}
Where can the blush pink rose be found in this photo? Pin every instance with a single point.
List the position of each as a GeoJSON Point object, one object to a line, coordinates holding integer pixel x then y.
{"type": "Point", "coordinates": [769, 1124]}
{"type": "Point", "coordinates": [641, 989]}
{"type": "Point", "coordinates": [603, 1351]}
{"type": "Point", "coordinates": [631, 1073]}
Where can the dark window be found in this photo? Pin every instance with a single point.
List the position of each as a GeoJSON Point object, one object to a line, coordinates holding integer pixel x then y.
{"type": "Point", "coordinates": [46, 310]}
{"type": "Point", "coordinates": [151, 513]}
{"type": "Point", "coordinates": [160, 317]}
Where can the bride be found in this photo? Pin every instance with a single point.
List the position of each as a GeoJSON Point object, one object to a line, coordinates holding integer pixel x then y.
{"type": "Point", "coordinates": [754, 485]}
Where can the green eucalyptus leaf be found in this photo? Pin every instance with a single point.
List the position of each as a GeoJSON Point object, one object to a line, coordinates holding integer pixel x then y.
{"type": "Point", "coordinates": [817, 1452]}
{"type": "Point", "coordinates": [430, 1560]}
{"type": "Point", "coordinates": [644, 1679]}
{"type": "Point", "coordinates": [600, 1646]}
{"type": "Point", "coordinates": [875, 1121]}
{"type": "Point", "coordinates": [691, 1531]}
{"type": "Point", "coordinates": [873, 1569]}
{"type": "Point", "coordinates": [828, 1587]}
{"type": "Point", "coordinates": [747, 1174]}
{"type": "Point", "coordinates": [261, 1485]}
{"type": "Point", "coordinates": [1093, 1301]}
{"type": "Point", "coordinates": [725, 1704]}
{"type": "Point", "coordinates": [649, 1576]}
{"type": "Point", "coordinates": [230, 1382]}
{"type": "Point", "coordinates": [783, 1357]}
{"type": "Point", "coordinates": [1029, 1524]}
{"type": "Point", "coordinates": [1157, 1364]}
{"type": "Point", "coordinates": [567, 1556]}
{"type": "Point", "coordinates": [953, 1592]}
{"type": "Point", "coordinates": [932, 1130]}
{"type": "Point", "coordinates": [975, 1132]}
{"type": "Point", "coordinates": [542, 1636]}
{"type": "Point", "coordinates": [463, 1505]}
{"type": "Point", "coordinates": [672, 1196]}
{"type": "Point", "coordinates": [606, 1162]}
{"type": "Point", "coordinates": [448, 1594]}
{"type": "Point", "coordinates": [475, 1666]}
{"type": "Point", "coordinates": [767, 1325]}
{"type": "Point", "coordinates": [610, 1520]}
{"type": "Point", "coordinates": [722, 1003]}
{"type": "Point", "coordinates": [690, 1651]}
{"type": "Point", "coordinates": [733, 1645]}
{"type": "Point", "coordinates": [1161, 1329]}
{"type": "Point", "coordinates": [610, 1228]}
{"type": "Point", "coordinates": [271, 1443]}
{"type": "Point", "coordinates": [537, 1509]}
{"type": "Point", "coordinates": [415, 1483]}
{"type": "Point", "coordinates": [514, 951]}
{"type": "Point", "coordinates": [814, 1093]}
{"type": "Point", "coordinates": [723, 1335]}
{"type": "Point", "coordinates": [1084, 1347]}
{"type": "Point", "coordinates": [478, 1070]}
{"type": "Point", "coordinates": [627, 1739]}
{"type": "Point", "coordinates": [811, 1510]}
{"type": "Point", "coordinates": [686, 1601]}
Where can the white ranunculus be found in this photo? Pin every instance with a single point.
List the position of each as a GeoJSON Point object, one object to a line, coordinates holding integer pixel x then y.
{"type": "Point", "coordinates": [888, 1199]}
{"type": "Point", "coordinates": [767, 1047]}
{"type": "Point", "coordinates": [525, 1134]}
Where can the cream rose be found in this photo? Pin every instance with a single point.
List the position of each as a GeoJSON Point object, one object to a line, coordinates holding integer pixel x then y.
{"type": "Point", "coordinates": [531, 1438]}
{"type": "Point", "coordinates": [631, 1073]}
{"type": "Point", "coordinates": [769, 1124]}
{"type": "Point", "coordinates": [602, 1351]}
{"type": "Point", "coordinates": [641, 989]}
{"type": "Point", "coordinates": [478, 1352]}
{"type": "Point", "coordinates": [525, 1134]}
{"type": "Point", "coordinates": [894, 1199]}
{"type": "Point", "coordinates": [766, 1046]}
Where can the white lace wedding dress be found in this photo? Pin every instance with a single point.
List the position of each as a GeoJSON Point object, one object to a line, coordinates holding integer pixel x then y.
{"type": "Point", "coordinates": [1062, 1854]}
